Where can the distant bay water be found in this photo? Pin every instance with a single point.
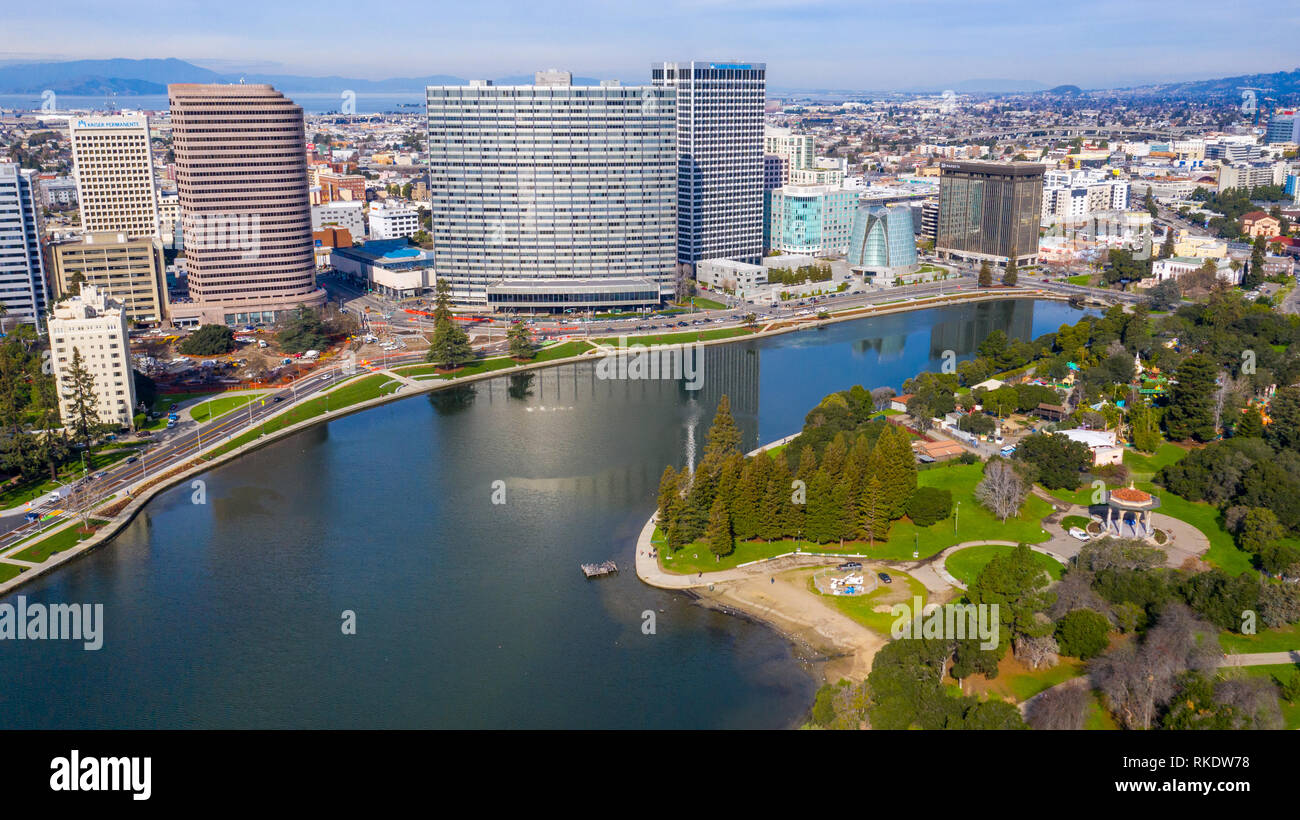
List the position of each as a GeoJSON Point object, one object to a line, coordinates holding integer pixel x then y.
{"type": "Point", "coordinates": [312, 102]}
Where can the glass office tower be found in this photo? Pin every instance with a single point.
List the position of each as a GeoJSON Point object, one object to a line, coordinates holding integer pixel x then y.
{"type": "Point", "coordinates": [989, 210]}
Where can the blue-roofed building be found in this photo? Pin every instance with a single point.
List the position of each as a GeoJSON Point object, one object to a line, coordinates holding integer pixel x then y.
{"type": "Point", "coordinates": [392, 267]}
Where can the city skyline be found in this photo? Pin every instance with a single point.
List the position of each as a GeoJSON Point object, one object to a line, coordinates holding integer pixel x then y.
{"type": "Point", "coordinates": [937, 43]}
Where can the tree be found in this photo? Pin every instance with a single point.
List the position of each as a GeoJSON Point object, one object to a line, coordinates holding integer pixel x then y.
{"type": "Point", "coordinates": [304, 331]}
{"type": "Point", "coordinates": [1191, 400]}
{"type": "Point", "coordinates": [1058, 459]}
{"type": "Point", "coordinates": [1249, 425]}
{"type": "Point", "coordinates": [1166, 295]}
{"type": "Point", "coordinates": [82, 401]}
{"type": "Point", "coordinates": [1284, 410]}
{"type": "Point", "coordinates": [1061, 707]}
{"type": "Point", "coordinates": [1011, 275]}
{"type": "Point", "coordinates": [986, 275]}
{"type": "Point", "coordinates": [668, 492]}
{"type": "Point", "coordinates": [521, 342]}
{"type": "Point", "coordinates": [450, 347]}
{"type": "Point", "coordinates": [873, 511]}
{"type": "Point", "coordinates": [1259, 530]}
{"type": "Point", "coordinates": [208, 340]}
{"type": "Point", "coordinates": [1083, 633]}
{"type": "Point", "coordinates": [719, 536]}
{"type": "Point", "coordinates": [929, 505]}
{"type": "Point", "coordinates": [723, 438]}
{"type": "Point", "coordinates": [1002, 491]}
{"type": "Point", "coordinates": [1018, 586]}
{"type": "Point", "coordinates": [442, 299]}
{"type": "Point", "coordinates": [1167, 248]}
{"type": "Point", "coordinates": [1144, 427]}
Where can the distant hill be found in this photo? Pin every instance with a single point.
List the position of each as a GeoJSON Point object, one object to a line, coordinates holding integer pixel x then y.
{"type": "Point", "coordinates": [1282, 86]}
{"type": "Point", "coordinates": [128, 77]}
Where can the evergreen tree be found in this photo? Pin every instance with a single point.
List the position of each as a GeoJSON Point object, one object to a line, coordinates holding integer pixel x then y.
{"type": "Point", "coordinates": [986, 275]}
{"type": "Point", "coordinates": [807, 464]}
{"type": "Point", "coordinates": [821, 520]}
{"type": "Point", "coordinates": [772, 517]}
{"type": "Point", "coordinates": [83, 403]}
{"type": "Point", "coordinates": [719, 535]}
{"type": "Point", "coordinates": [521, 342]}
{"type": "Point", "coordinates": [1012, 274]}
{"type": "Point", "coordinates": [1250, 425]}
{"type": "Point", "coordinates": [746, 512]}
{"type": "Point", "coordinates": [442, 299]}
{"type": "Point", "coordinates": [1167, 249]}
{"type": "Point", "coordinates": [873, 511]}
{"type": "Point", "coordinates": [450, 346]}
{"type": "Point", "coordinates": [1191, 401]}
{"type": "Point", "coordinates": [668, 484]}
{"type": "Point", "coordinates": [723, 439]}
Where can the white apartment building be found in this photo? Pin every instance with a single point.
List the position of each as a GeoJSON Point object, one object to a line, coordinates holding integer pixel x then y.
{"type": "Point", "coordinates": [551, 196]}
{"type": "Point", "coordinates": [391, 220]}
{"type": "Point", "coordinates": [740, 278]}
{"type": "Point", "coordinates": [1251, 175]}
{"type": "Point", "coordinates": [1079, 199]}
{"type": "Point", "coordinates": [1175, 267]}
{"type": "Point", "coordinates": [720, 158]}
{"type": "Point", "coordinates": [348, 214]}
{"type": "Point", "coordinates": [22, 266]}
{"type": "Point", "coordinates": [113, 164]}
{"type": "Point", "coordinates": [94, 325]}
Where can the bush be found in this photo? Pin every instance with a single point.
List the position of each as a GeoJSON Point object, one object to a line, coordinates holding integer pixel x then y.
{"type": "Point", "coordinates": [929, 505]}
{"type": "Point", "coordinates": [208, 340]}
{"type": "Point", "coordinates": [1083, 633]}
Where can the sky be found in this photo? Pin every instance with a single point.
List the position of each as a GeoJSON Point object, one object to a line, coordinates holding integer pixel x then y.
{"type": "Point", "coordinates": [859, 44]}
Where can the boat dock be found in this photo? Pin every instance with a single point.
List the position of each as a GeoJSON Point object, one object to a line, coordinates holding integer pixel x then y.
{"type": "Point", "coordinates": [597, 570]}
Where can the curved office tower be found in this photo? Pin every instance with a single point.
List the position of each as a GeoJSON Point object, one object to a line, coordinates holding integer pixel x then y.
{"type": "Point", "coordinates": [553, 196]}
{"type": "Point", "coordinates": [882, 243]}
{"type": "Point", "coordinates": [241, 173]}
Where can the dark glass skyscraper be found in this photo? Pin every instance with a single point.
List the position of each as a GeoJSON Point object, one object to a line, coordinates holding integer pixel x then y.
{"type": "Point", "coordinates": [990, 210]}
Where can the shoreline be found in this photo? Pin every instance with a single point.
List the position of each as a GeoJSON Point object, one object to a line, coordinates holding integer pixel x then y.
{"type": "Point", "coordinates": [188, 469]}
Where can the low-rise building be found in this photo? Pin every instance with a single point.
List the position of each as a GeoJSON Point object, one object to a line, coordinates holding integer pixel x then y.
{"type": "Point", "coordinates": [1102, 443]}
{"type": "Point", "coordinates": [390, 266]}
{"type": "Point", "coordinates": [730, 275]}
{"type": "Point", "coordinates": [393, 220]}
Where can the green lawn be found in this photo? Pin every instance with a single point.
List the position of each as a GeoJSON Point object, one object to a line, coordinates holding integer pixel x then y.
{"type": "Point", "coordinates": [97, 459]}
{"type": "Point", "coordinates": [1084, 279]}
{"type": "Point", "coordinates": [965, 565]}
{"type": "Point", "coordinates": [8, 571]}
{"type": "Point", "coordinates": [974, 523]}
{"type": "Point", "coordinates": [215, 408]}
{"type": "Point", "coordinates": [1098, 718]}
{"type": "Point", "coordinates": [547, 354]}
{"type": "Point", "coordinates": [62, 540]}
{"type": "Point", "coordinates": [1278, 639]}
{"type": "Point", "coordinates": [1025, 685]}
{"type": "Point", "coordinates": [861, 607]}
{"type": "Point", "coordinates": [1074, 521]}
{"type": "Point", "coordinates": [707, 304]}
{"type": "Point", "coordinates": [1224, 552]}
{"type": "Point", "coordinates": [561, 351]}
{"type": "Point", "coordinates": [352, 392]}
{"type": "Point", "coordinates": [683, 337]}
{"type": "Point", "coordinates": [1144, 467]}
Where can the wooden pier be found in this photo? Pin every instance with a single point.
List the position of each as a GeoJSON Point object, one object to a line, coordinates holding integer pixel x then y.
{"type": "Point", "coordinates": [597, 570]}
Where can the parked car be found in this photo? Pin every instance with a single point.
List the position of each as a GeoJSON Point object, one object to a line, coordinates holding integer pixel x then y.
{"type": "Point", "coordinates": [1079, 533]}
{"type": "Point", "coordinates": [850, 565]}
{"type": "Point", "coordinates": [884, 576]}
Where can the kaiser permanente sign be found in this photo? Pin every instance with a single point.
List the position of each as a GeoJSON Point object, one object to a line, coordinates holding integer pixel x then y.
{"type": "Point", "coordinates": [109, 123]}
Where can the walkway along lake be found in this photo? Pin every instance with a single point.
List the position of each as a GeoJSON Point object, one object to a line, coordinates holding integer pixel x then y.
{"type": "Point", "coordinates": [228, 614]}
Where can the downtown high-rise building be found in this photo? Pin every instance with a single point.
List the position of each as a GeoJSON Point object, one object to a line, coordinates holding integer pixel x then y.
{"type": "Point", "coordinates": [1283, 126]}
{"type": "Point", "coordinates": [22, 266]}
{"type": "Point", "coordinates": [113, 165]}
{"type": "Point", "coordinates": [553, 196]}
{"type": "Point", "coordinates": [719, 158]}
{"type": "Point", "coordinates": [989, 211]}
{"type": "Point", "coordinates": [241, 174]}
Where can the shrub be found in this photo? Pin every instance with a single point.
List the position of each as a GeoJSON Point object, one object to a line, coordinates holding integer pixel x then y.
{"type": "Point", "coordinates": [929, 505]}
{"type": "Point", "coordinates": [1082, 633]}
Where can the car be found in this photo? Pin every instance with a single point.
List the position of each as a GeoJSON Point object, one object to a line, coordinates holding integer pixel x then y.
{"type": "Point", "coordinates": [1080, 533]}
{"type": "Point", "coordinates": [144, 434]}
{"type": "Point", "coordinates": [132, 459]}
{"type": "Point", "coordinates": [884, 576]}
{"type": "Point", "coordinates": [173, 407]}
{"type": "Point", "coordinates": [850, 565]}
{"type": "Point", "coordinates": [171, 423]}
{"type": "Point", "coordinates": [278, 399]}
{"type": "Point", "coordinates": [99, 474]}
{"type": "Point", "coordinates": [31, 516]}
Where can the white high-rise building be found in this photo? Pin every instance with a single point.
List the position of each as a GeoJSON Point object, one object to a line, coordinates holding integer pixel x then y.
{"type": "Point", "coordinates": [114, 170]}
{"type": "Point", "coordinates": [22, 267]}
{"type": "Point", "coordinates": [720, 158]}
{"type": "Point", "coordinates": [553, 196]}
{"type": "Point", "coordinates": [95, 326]}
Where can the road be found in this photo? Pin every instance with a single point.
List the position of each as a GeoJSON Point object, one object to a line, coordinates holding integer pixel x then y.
{"type": "Point", "coordinates": [171, 448]}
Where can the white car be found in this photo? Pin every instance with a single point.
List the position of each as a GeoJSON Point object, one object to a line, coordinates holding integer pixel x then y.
{"type": "Point", "coordinates": [1081, 534]}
